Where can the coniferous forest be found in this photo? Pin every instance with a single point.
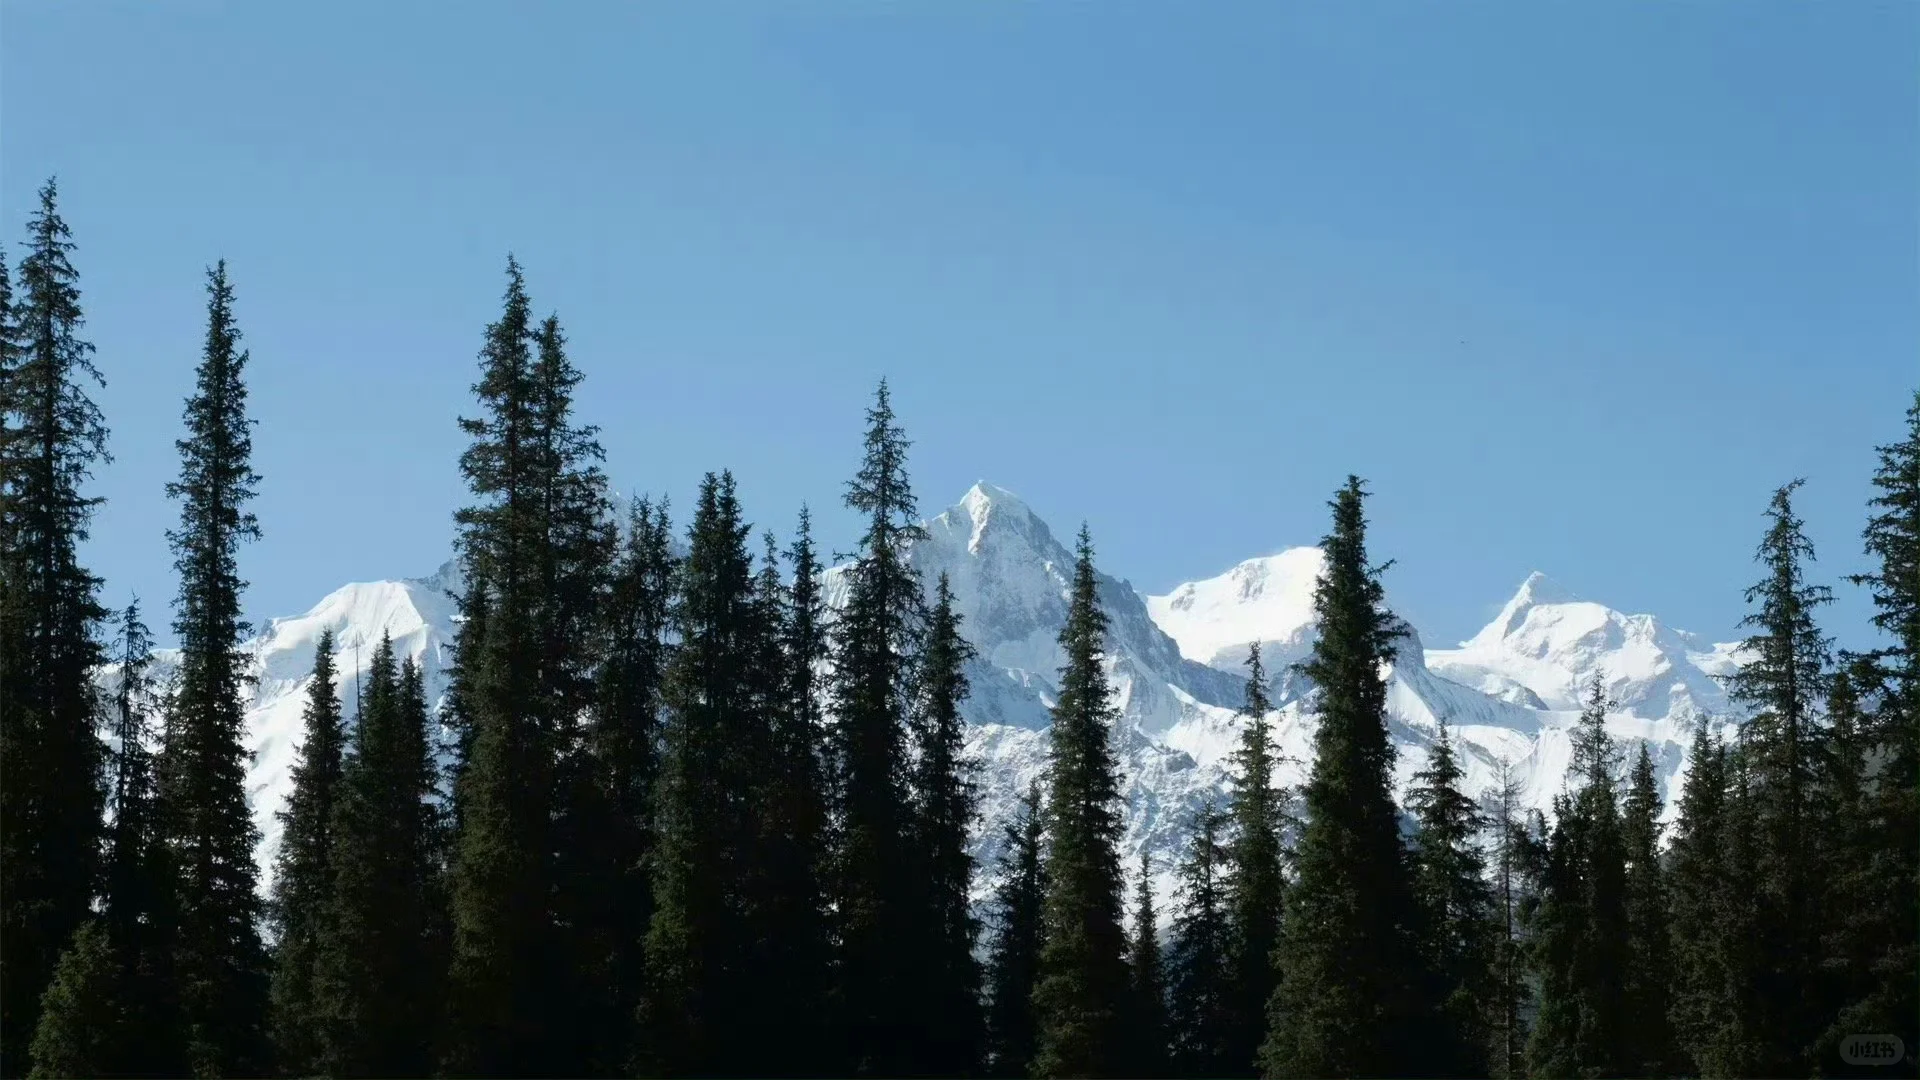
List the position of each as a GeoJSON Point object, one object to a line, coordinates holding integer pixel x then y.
{"type": "Point", "coordinates": [677, 816]}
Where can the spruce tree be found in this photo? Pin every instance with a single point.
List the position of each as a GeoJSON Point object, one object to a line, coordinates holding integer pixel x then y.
{"type": "Point", "coordinates": [1783, 683]}
{"type": "Point", "coordinates": [377, 985]}
{"type": "Point", "coordinates": [697, 1014]}
{"type": "Point", "coordinates": [624, 743]}
{"type": "Point", "coordinates": [1891, 681]}
{"type": "Point", "coordinates": [1580, 1030]}
{"type": "Point", "coordinates": [1150, 1057]}
{"type": "Point", "coordinates": [795, 798]}
{"type": "Point", "coordinates": [1256, 886]}
{"type": "Point", "coordinates": [1199, 987]}
{"type": "Point", "coordinates": [303, 871]}
{"type": "Point", "coordinates": [1081, 997]}
{"type": "Point", "coordinates": [1649, 1043]}
{"type": "Point", "coordinates": [50, 806]}
{"type": "Point", "coordinates": [137, 891]}
{"type": "Point", "coordinates": [1456, 914]}
{"type": "Point", "coordinates": [1708, 1027]}
{"type": "Point", "coordinates": [1510, 863]}
{"type": "Point", "coordinates": [945, 804]}
{"type": "Point", "coordinates": [1013, 951]}
{"type": "Point", "coordinates": [219, 959]}
{"type": "Point", "coordinates": [1346, 1000]}
{"type": "Point", "coordinates": [82, 1026]}
{"type": "Point", "coordinates": [875, 637]}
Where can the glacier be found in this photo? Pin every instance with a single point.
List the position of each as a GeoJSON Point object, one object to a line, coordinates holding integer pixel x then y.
{"type": "Point", "coordinates": [1510, 693]}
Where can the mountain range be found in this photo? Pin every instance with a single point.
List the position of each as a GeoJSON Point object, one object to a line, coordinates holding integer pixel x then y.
{"type": "Point", "coordinates": [1177, 662]}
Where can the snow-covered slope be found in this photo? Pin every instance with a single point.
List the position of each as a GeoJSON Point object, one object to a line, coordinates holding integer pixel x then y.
{"type": "Point", "coordinates": [1510, 693]}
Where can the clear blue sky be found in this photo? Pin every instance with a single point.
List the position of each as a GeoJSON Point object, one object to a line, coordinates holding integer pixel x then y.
{"type": "Point", "coordinates": [1573, 285]}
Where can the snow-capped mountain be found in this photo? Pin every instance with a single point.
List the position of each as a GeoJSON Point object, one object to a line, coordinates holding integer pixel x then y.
{"type": "Point", "coordinates": [1176, 662]}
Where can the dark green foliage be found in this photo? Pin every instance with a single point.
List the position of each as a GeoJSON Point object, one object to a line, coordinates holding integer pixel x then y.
{"type": "Point", "coordinates": [945, 804]}
{"type": "Point", "coordinates": [623, 741]}
{"type": "Point", "coordinates": [1456, 909]}
{"type": "Point", "coordinates": [1199, 986]}
{"type": "Point", "coordinates": [53, 438]}
{"type": "Point", "coordinates": [81, 1029]}
{"type": "Point", "coordinates": [1513, 848]}
{"type": "Point", "coordinates": [877, 905]}
{"type": "Point", "coordinates": [1581, 954]}
{"type": "Point", "coordinates": [377, 987]}
{"type": "Point", "coordinates": [1889, 688]}
{"type": "Point", "coordinates": [303, 871]}
{"type": "Point", "coordinates": [1648, 1049]}
{"type": "Point", "coordinates": [1346, 1001]}
{"type": "Point", "coordinates": [1783, 683]}
{"type": "Point", "coordinates": [1256, 886]}
{"type": "Point", "coordinates": [698, 1016]}
{"type": "Point", "coordinates": [1081, 1000]}
{"type": "Point", "coordinates": [535, 544]}
{"type": "Point", "coordinates": [137, 890]}
{"type": "Point", "coordinates": [1013, 954]}
{"type": "Point", "coordinates": [1708, 916]}
{"type": "Point", "coordinates": [219, 960]}
{"type": "Point", "coordinates": [1149, 1022]}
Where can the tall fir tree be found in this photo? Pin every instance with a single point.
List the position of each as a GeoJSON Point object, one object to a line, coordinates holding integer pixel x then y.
{"type": "Point", "coordinates": [1081, 999]}
{"type": "Point", "coordinates": [378, 986]}
{"type": "Point", "coordinates": [1648, 1049]}
{"type": "Point", "coordinates": [303, 871]}
{"type": "Point", "coordinates": [1149, 1022]}
{"type": "Point", "coordinates": [1582, 957]}
{"type": "Point", "coordinates": [137, 887]}
{"type": "Point", "coordinates": [1783, 684]}
{"type": "Point", "coordinates": [1456, 907]}
{"type": "Point", "coordinates": [624, 743]}
{"type": "Point", "coordinates": [1199, 962]}
{"type": "Point", "coordinates": [946, 803]}
{"type": "Point", "coordinates": [1510, 859]}
{"type": "Point", "coordinates": [1706, 916]}
{"type": "Point", "coordinates": [698, 1015]}
{"type": "Point", "coordinates": [875, 639]}
{"type": "Point", "coordinates": [50, 806]}
{"type": "Point", "coordinates": [1346, 1003]}
{"type": "Point", "coordinates": [797, 812]}
{"type": "Point", "coordinates": [82, 1027]}
{"type": "Point", "coordinates": [1890, 680]}
{"type": "Point", "coordinates": [1013, 951]}
{"type": "Point", "coordinates": [1256, 882]}
{"type": "Point", "coordinates": [219, 959]}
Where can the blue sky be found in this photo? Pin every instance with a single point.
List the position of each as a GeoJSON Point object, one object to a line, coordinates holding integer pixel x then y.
{"type": "Point", "coordinates": [1573, 286]}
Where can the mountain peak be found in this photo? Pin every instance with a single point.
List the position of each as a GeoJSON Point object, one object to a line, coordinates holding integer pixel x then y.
{"type": "Point", "coordinates": [1540, 589]}
{"type": "Point", "coordinates": [984, 503]}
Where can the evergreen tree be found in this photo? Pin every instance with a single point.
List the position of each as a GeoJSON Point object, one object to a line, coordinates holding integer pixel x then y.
{"type": "Point", "coordinates": [1013, 953]}
{"type": "Point", "coordinates": [1510, 866]}
{"type": "Point", "coordinates": [1256, 886]}
{"type": "Point", "coordinates": [1149, 981]}
{"type": "Point", "coordinates": [1456, 914]}
{"type": "Point", "coordinates": [1890, 921]}
{"type": "Point", "coordinates": [377, 985]}
{"type": "Point", "coordinates": [303, 872]}
{"type": "Point", "coordinates": [698, 1016]}
{"type": "Point", "coordinates": [945, 805]}
{"type": "Point", "coordinates": [1583, 955]}
{"type": "Point", "coordinates": [81, 1030]}
{"type": "Point", "coordinates": [1706, 1021]}
{"type": "Point", "coordinates": [1648, 1050]}
{"type": "Point", "coordinates": [219, 960]}
{"type": "Point", "coordinates": [795, 801]}
{"type": "Point", "coordinates": [624, 742]}
{"type": "Point", "coordinates": [1782, 683]}
{"type": "Point", "coordinates": [50, 806]}
{"type": "Point", "coordinates": [1081, 997]}
{"type": "Point", "coordinates": [875, 638]}
{"type": "Point", "coordinates": [1346, 1003]}
{"type": "Point", "coordinates": [138, 886]}
{"type": "Point", "coordinates": [1200, 1006]}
